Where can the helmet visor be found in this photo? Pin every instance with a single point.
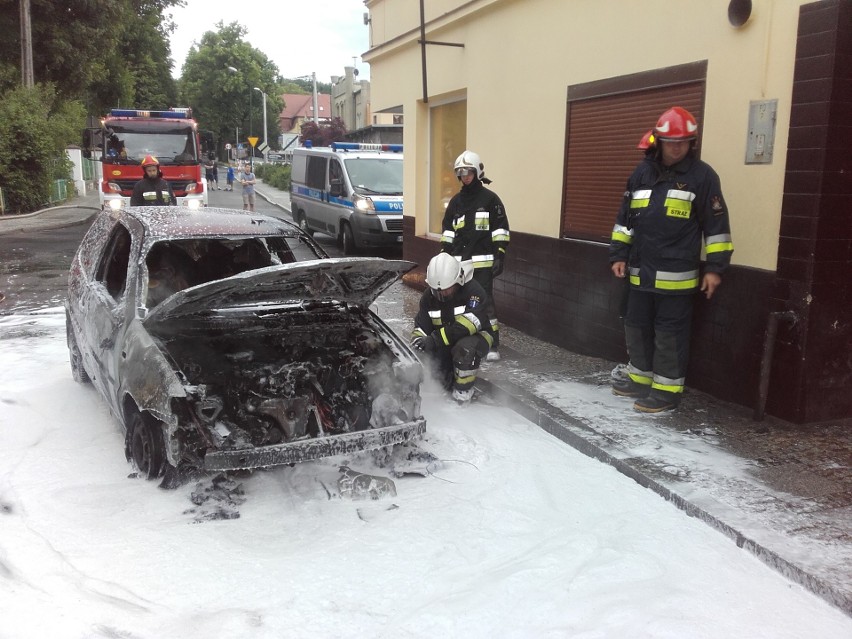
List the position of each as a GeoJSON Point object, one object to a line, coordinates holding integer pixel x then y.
{"type": "Point", "coordinates": [463, 171]}
{"type": "Point", "coordinates": [443, 295]}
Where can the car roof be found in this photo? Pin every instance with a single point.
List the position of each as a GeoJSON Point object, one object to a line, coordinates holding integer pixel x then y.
{"type": "Point", "coordinates": [171, 222]}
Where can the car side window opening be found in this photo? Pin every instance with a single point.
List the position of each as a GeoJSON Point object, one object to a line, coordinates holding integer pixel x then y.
{"type": "Point", "coordinates": [335, 178]}
{"type": "Point", "coordinates": [315, 178]}
{"type": "Point", "coordinates": [112, 271]}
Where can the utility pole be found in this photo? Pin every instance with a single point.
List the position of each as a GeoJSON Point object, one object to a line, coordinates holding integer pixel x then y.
{"type": "Point", "coordinates": [316, 100]}
{"type": "Point", "coordinates": [27, 76]}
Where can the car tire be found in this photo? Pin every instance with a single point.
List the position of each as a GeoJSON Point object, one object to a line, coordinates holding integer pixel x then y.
{"type": "Point", "coordinates": [77, 371]}
{"type": "Point", "coordinates": [144, 445]}
{"type": "Point", "coordinates": [302, 221]}
{"type": "Point", "coordinates": [347, 239]}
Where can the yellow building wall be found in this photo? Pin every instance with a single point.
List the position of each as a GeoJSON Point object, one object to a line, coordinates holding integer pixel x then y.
{"type": "Point", "coordinates": [519, 58]}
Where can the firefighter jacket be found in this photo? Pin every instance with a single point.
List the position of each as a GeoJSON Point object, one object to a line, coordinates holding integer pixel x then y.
{"type": "Point", "coordinates": [663, 216]}
{"type": "Point", "coordinates": [462, 315]}
{"type": "Point", "coordinates": [475, 226]}
{"type": "Point", "coordinates": [156, 192]}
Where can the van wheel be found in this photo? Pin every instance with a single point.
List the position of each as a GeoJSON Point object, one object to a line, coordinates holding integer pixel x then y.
{"type": "Point", "coordinates": [302, 221]}
{"type": "Point", "coordinates": [347, 239]}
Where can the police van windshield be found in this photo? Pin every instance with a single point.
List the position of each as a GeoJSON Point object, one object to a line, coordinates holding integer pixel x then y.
{"type": "Point", "coordinates": [379, 176]}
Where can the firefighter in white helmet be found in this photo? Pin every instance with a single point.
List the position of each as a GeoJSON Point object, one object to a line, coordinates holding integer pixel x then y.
{"type": "Point", "coordinates": [451, 326]}
{"type": "Point", "coordinates": [475, 228]}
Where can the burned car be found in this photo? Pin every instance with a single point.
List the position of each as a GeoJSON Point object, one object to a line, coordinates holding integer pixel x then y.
{"type": "Point", "coordinates": [229, 340]}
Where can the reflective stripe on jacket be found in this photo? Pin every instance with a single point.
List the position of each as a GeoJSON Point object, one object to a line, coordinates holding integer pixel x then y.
{"type": "Point", "coordinates": [664, 214]}
{"type": "Point", "coordinates": [475, 226]}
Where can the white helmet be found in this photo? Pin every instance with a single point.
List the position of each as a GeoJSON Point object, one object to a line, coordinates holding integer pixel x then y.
{"type": "Point", "coordinates": [443, 271]}
{"type": "Point", "coordinates": [470, 160]}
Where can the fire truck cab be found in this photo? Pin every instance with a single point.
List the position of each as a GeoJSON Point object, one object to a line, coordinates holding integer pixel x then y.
{"type": "Point", "coordinates": [170, 136]}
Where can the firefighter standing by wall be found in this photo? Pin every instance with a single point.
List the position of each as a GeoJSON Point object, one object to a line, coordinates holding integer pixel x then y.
{"type": "Point", "coordinates": [152, 189]}
{"type": "Point", "coordinates": [672, 199]}
{"type": "Point", "coordinates": [452, 326]}
{"type": "Point", "coordinates": [475, 228]}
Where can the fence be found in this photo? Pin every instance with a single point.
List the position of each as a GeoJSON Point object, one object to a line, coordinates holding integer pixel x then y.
{"type": "Point", "coordinates": [59, 191]}
{"type": "Point", "coordinates": [89, 172]}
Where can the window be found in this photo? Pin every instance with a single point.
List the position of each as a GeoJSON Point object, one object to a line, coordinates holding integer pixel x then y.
{"type": "Point", "coordinates": [448, 124]}
{"type": "Point", "coordinates": [316, 172]}
{"type": "Point", "coordinates": [112, 271]}
{"type": "Point", "coordinates": [606, 120]}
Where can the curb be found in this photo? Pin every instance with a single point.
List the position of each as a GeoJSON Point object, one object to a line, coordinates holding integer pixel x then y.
{"type": "Point", "coordinates": [271, 201]}
{"type": "Point", "coordinates": [21, 216]}
{"type": "Point", "coordinates": [561, 425]}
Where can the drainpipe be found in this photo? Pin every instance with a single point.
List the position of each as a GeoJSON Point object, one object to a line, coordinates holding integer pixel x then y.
{"type": "Point", "coordinates": [775, 318]}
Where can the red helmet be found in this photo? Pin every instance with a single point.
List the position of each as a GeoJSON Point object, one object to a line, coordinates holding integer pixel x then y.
{"type": "Point", "coordinates": [648, 140]}
{"type": "Point", "coordinates": [676, 124]}
{"type": "Point", "coordinates": [150, 160]}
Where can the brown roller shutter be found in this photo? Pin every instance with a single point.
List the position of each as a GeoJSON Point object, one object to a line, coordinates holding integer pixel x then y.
{"type": "Point", "coordinates": [601, 151]}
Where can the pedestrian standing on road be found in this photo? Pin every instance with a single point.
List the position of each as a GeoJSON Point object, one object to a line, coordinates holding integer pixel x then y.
{"type": "Point", "coordinates": [452, 326]}
{"type": "Point", "coordinates": [248, 181]}
{"type": "Point", "coordinates": [475, 228]}
{"type": "Point", "coordinates": [216, 174]}
{"type": "Point", "coordinates": [672, 200]}
{"type": "Point", "coordinates": [230, 178]}
{"type": "Point", "coordinates": [208, 172]}
{"type": "Point", "coordinates": [152, 189]}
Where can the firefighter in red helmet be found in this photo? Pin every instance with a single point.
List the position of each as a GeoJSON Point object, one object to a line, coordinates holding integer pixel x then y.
{"type": "Point", "coordinates": [152, 189]}
{"type": "Point", "coordinates": [672, 208]}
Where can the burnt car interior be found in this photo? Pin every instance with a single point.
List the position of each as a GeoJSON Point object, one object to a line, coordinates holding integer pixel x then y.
{"type": "Point", "coordinates": [178, 264]}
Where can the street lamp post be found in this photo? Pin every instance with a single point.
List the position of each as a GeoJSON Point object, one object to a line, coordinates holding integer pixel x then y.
{"type": "Point", "coordinates": [237, 141]}
{"type": "Point", "coordinates": [264, 115]}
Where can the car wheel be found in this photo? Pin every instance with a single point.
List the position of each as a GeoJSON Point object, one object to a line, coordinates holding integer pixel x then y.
{"type": "Point", "coordinates": [302, 221]}
{"type": "Point", "coordinates": [77, 371]}
{"type": "Point", "coordinates": [144, 445]}
{"type": "Point", "coordinates": [347, 239]}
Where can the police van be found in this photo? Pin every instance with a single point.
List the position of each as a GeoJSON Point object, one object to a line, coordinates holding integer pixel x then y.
{"type": "Point", "coordinates": [351, 191]}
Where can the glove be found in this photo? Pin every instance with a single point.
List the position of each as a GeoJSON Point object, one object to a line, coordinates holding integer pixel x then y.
{"type": "Point", "coordinates": [430, 344]}
{"type": "Point", "coordinates": [417, 342]}
{"type": "Point", "coordinates": [497, 267]}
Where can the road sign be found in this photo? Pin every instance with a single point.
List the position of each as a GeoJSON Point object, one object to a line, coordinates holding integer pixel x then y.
{"type": "Point", "coordinates": [263, 146]}
{"type": "Point", "coordinates": [228, 146]}
{"type": "Point", "coordinates": [253, 141]}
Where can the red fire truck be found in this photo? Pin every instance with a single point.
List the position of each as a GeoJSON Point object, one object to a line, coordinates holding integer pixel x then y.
{"type": "Point", "coordinates": [171, 136]}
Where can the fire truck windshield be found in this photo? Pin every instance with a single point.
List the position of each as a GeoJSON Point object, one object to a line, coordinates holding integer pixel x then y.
{"type": "Point", "coordinates": [130, 143]}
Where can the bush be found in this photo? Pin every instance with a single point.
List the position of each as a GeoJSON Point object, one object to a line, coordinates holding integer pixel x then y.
{"type": "Point", "coordinates": [35, 129]}
{"type": "Point", "coordinates": [277, 175]}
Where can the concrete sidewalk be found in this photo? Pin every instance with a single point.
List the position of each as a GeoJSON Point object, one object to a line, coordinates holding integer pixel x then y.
{"type": "Point", "coordinates": [778, 490]}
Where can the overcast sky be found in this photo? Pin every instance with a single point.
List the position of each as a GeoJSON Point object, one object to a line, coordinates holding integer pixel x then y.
{"type": "Point", "coordinates": [300, 37]}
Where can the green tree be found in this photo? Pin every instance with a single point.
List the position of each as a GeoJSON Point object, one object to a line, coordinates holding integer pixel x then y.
{"type": "Point", "coordinates": [218, 79]}
{"type": "Point", "coordinates": [36, 125]}
{"type": "Point", "coordinates": [102, 52]}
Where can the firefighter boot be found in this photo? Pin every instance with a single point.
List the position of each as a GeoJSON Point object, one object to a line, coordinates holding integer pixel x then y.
{"type": "Point", "coordinates": [654, 404]}
{"type": "Point", "coordinates": [628, 388]}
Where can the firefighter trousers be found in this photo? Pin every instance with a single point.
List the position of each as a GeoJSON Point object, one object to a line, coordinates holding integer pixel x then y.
{"type": "Point", "coordinates": [485, 277]}
{"type": "Point", "coordinates": [455, 366]}
{"type": "Point", "coordinates": [657, 331]}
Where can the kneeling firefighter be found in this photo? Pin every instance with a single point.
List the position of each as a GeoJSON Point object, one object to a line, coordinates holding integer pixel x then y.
{"type": "Point", "coordinates": [452, 325]}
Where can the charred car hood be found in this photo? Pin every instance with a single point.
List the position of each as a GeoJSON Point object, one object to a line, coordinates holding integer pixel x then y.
{"type": "Point", "coordinates": [354, 280]}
